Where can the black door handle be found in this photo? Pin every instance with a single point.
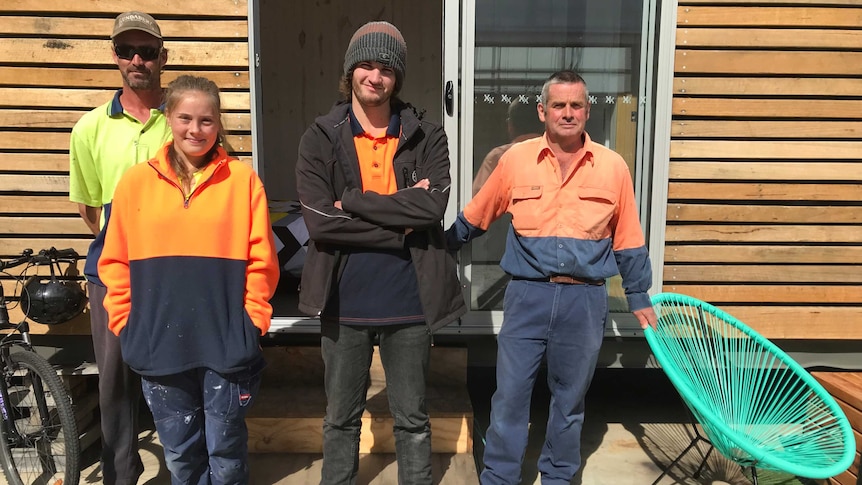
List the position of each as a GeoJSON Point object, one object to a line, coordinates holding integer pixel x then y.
{"type": "Point", "coordinates": [449, 98]}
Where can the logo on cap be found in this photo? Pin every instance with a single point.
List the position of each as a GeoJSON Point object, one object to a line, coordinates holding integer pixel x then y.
{"type": "Point", "coordinates": [136, 21]}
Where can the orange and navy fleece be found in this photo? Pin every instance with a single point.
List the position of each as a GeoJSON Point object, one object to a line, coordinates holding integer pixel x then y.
{"type": "Point", "coordinates": [189, 278]}
{"type": "Point", "coordinates": [585, 226]}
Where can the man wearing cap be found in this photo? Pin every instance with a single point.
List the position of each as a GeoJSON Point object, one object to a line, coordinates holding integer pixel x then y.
{"type": "Point", "coordinates": [373, 181]}
{"type": "Point", "coordinates": [106, 141]}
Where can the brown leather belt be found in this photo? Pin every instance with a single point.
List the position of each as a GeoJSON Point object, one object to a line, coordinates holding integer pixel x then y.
{"type": "Point", "coordinates": [568, 280]}
{"type": "Point", "coordinates": [565, 280]}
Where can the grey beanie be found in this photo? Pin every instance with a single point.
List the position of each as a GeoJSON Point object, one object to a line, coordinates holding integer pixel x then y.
{"type": "Point", "coordinates": [377, 41]}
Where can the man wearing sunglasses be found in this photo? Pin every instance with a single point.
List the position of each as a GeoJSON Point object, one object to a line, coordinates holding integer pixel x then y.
{"type": "Point", "coordinates": [106, 141]}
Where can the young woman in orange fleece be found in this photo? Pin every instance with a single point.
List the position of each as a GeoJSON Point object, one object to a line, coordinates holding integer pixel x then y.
{"type": "Point", "coordinates": [190, 265]}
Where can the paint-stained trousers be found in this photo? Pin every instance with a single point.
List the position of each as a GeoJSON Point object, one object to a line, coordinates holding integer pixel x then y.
{"type": "Point", "coordinates": [565, 325]}
{"type": "Point", "coordinates": [200, 417]}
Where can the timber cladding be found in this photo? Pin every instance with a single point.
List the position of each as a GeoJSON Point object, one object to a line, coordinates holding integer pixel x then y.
{"type": "Point", "coordinates": [765, 174]}
{"type": "Point", "coordinates": [55, 65]}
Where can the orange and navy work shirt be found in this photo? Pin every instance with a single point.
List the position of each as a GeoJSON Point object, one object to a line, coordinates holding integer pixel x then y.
{"type": "Point", "coordinates": [585, 226]}
{"type": "Point", "coordinates": [189, 279]}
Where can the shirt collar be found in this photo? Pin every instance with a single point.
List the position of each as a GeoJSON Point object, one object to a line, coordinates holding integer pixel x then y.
{"type": "Point", "coordinates": [116, 107]}
{"type": "Point", "coordinates": [393, 130]}
{"type": "Point", "coordinates": [585, 153]}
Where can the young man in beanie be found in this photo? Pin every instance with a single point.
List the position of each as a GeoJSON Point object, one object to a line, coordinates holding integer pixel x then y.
{"type": "Point", "coordinates": [106, 141]}
{"type": "Point", "coordinates": [373, 181]}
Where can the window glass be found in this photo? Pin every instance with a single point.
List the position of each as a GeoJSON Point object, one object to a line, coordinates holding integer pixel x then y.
{"type": "Point", "coordinates": [518, 45]}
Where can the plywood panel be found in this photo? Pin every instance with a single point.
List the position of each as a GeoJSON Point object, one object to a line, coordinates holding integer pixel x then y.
{"type": "Point", "coordinates": [817, 150]}
{"type": "Point", "coordinates": [36, 162]}
{"type": "Point", "coordinates": [80, 325]}
{"type": "Point", "coordinates": [18, 140]}
{"type": "Point", "coordinates": [800, 322]}
{"type": "Point", "coordinates": [758, 191]}
{"type": "Point", "coordinates": [784, 294]}
{"type": "Point", "coordinates": [34, 183]}
{"type": "Point", "coordinates": [766, 129]}
{"type": "Point", "coordinates": [772, 274]}
{"type": "Point", "coordinates": [305, 435]}
{"type": "Point", "coordinates": [37, 204]}
{"type": "Point", "coordinates": [748, 170]}
{"type": "Point", "coordinates": [755, 16]}
{"type": "Point", "coordinates": [54, 118]}
{"type": "Point", "coordinates": [43, 225]}
{"type": "Point", "coordinates": [753, 86]}
{"type": "Point", "coordinates": [786, 254]}
{"type": "Point", "coordinates": [100, 27]}
{"type": "Point", "coordinates": [742, 233]}
{"type": "Point", "coordinates": [768, 108]}
{"type": "Point", "coordinates": [11, 245]}
{"type": "Point", "coordinates": [59, 162]}
{"type": "Point", "coordinates": [215, 8]}
{"type": "Point", "coordinates": [764, 213]}
{"type": "Point", "coordinates": [49, 118]}
{"type": "Point", "coordinates": [302, 46]}
{"type": "Point", "coordinates": [87, 51]}
{"type": "Point", "coordinates": [793, 63]}
{"type": "Point", "coordinates": [846, 386]}
{"type": "Point", "coordinates": [240, 143]}
{"type": "Point", "coordinates": [107, 77]}
{"type": "Point", "coordinates": [761, 38]}
{"type": "Point", "coordinates": [90, 98]}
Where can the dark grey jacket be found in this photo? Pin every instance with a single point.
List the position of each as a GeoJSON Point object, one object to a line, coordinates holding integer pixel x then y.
{"type": "Point", "coordinates": [328, 170]}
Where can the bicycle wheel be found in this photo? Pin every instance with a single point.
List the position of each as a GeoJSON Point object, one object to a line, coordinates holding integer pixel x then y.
{"type": "Point", "coordinates": [40, 438]}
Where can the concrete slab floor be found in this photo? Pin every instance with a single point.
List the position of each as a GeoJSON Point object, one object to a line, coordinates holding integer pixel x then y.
{"type": "Point", "coordinates": [634, 425]}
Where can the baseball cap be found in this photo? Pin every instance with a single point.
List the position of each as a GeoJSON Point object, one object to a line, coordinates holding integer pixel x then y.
{"type": "Point", "coordinates": [136, 21]}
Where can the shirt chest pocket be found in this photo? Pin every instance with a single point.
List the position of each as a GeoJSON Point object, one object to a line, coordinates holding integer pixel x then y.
{"type": "Point", "coordinates": [526, 207]}
{"type": "Point", "coordinates": [595, 210]}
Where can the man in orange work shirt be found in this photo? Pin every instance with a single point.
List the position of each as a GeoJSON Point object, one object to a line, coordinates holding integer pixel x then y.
{"type": "Point", "coordinates": [574, 224]}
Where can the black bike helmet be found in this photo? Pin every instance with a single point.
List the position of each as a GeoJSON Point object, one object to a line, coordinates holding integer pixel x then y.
{"type": "Point", "coordinates": [50, 301]}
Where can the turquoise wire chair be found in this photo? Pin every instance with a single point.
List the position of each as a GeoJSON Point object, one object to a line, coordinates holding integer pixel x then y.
{"type": "Point", "coordinates": [756, 405]}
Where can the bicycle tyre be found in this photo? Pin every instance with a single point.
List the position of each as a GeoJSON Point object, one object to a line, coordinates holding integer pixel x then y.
{"type": "Point", "coordinates": [44, 448]}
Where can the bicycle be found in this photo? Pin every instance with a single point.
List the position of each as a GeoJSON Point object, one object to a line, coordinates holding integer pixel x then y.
{"type": "Point", "coordinates": [38, 431]}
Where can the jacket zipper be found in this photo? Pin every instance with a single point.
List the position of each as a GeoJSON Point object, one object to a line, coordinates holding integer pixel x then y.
{"type": "Point", "coordinates": [187, 198]}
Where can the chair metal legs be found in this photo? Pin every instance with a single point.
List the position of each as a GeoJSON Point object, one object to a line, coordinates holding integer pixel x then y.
{"type": "Point", "coordinates": [694, 441]}
{"type": "Point", "coordinates": [753, 475]}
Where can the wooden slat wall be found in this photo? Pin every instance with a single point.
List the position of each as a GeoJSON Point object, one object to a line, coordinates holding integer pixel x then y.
{"type": "Point", "coordinates": [765, 189]}
{"type": "Point", "coordinates": [55, 64]}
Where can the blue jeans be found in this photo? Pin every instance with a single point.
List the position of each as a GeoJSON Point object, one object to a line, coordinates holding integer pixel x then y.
{"type": "Point", "coordinates": [200, 417]}
{"type": "Point", "coordinates": [565, 325]}
{"type": "Point", "coordinates": [404, 352]}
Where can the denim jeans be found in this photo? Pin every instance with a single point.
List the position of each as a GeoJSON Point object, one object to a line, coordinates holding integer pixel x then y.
{"type": "Point", "coordinates": [404, 352]}
{"type": "Point", "coordinates": [565, 325]}
{"type": "Point", "coordinates": [200, 417]}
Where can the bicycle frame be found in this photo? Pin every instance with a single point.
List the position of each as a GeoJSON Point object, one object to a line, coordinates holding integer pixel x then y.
{"type": "Point", "coordinates": [11, 365]}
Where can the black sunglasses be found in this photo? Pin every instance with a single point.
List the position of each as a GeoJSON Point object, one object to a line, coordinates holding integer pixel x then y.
{"type": "Point", "coordinates": [127, 52]}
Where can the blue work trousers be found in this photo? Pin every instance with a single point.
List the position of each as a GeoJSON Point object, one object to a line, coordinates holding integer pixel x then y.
{"type": "Point", "coordinates": [200, 417]}
{"type": "Point", "coordinates": [404, 352]}
{"type": "Point", "coordinates": [564, 324]}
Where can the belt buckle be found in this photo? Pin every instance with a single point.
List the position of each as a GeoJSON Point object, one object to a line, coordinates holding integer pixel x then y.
{"type": "Point", "coordinates": [564, 279]}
